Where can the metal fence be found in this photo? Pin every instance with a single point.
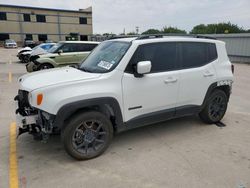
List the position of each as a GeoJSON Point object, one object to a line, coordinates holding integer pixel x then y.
{"type": "Point", "coordinates": [238, 46]}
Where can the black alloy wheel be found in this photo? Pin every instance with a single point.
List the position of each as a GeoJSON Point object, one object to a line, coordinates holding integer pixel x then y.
{"type": "Point", "coordinates": [215, 107]}
{"type": "Point", "coordinates": [87, 135]}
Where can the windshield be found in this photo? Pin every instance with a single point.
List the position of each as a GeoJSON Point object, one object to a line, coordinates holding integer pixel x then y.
{"type": "Point", "coordinates": [55, 48]}
{"type": "Point", "coordinates": [105, 57]}
{"type": "Point", "coordinates": [46, 47]}
{"type": "Point", "coordinates": [36, 47]}
{"type": "Point", "coordinates": [10, 41]}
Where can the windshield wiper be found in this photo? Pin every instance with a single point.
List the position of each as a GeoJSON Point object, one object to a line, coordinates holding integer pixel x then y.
{"type": "Point", "coordinates": [75, 66]}
{"type": "Point", "coordinates": [85, 70]}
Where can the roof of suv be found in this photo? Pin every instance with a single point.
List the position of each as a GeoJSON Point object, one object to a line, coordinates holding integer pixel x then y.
{"type": "Point", "coordinates": [159, 38]}
{"type": "Point", "coordinates": [80, 42]}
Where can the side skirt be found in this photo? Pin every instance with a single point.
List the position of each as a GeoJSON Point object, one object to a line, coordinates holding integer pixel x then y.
{"type": "Point", "coordinates": [160, 116]}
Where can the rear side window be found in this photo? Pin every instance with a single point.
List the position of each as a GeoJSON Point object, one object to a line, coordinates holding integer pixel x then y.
{"type": "Point", "coordinates": [212, 52]}
{"type": "Point", "coordinates": [86, 47]}
{"type": "Point", "coordinates": [196, 54]}
{"type": "Point", "coordinates": [163, 57]}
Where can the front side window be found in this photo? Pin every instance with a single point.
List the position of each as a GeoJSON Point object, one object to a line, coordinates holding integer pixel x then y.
{"type": "Point", "coordinates": [163, 57]}
{"type": "Point", "coordinates": [86, 47]}
{"type": "Point", "coordinates": [55, 48]}
{"type": "Point", "coordinates": [69, 47]}
{"type": "Point", "coordinates": [105, 57]}
{"type": "Point", "coordinates": [3, 16]}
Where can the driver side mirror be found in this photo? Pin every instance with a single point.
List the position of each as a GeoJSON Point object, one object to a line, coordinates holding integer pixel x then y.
{"type": "Point", "coordinates": [60, 51]}
{"type": "Point", "coordinates": [143, 67]}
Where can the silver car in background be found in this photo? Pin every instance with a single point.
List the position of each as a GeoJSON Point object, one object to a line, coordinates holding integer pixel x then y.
{"type": "Point", "coordinates": [10, 43]}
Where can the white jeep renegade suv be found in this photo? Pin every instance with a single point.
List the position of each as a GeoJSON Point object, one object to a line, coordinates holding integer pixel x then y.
{"type": "Point", "coordinates": [123, 84]}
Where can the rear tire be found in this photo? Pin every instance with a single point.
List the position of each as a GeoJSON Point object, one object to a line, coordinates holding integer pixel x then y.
{"type": "Point", "coordinates": [22, 59]}
{"type": "Point", "coordinates": [215, 107]}
{"type": "Point", "coordinates": [87, 135]}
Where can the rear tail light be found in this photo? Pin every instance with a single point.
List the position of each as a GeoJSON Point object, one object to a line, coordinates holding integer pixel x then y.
{"type": "Point", "coordinates": [232, 68]}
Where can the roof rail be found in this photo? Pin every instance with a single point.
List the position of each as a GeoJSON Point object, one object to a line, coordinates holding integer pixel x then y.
{"type": "Point", "coordinates": [153, 36]}
{"type": "Point", "coordinates": [122, 36]}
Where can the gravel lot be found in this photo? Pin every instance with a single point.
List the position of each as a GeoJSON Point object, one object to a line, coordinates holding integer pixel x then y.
{"type": "Point", "coordinates": [178, 153]}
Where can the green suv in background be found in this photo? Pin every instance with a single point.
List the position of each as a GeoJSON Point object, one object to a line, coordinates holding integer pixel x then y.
{"type": "Point", "coordinates": [62, 54]}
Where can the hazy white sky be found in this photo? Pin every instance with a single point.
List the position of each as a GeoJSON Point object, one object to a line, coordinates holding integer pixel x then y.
{"type": "Point", "coordinates": [115, 15]}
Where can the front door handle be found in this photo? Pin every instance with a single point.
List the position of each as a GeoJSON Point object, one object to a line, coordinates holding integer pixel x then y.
{"type": "Point", "coordinates": [170, 80]}
{"type": "Point", "coordinates": [208, 74]}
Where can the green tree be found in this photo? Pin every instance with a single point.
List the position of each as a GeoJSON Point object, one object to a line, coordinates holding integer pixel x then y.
{"type": "Point", "coordinates": [173, 30]}
{"type": "Point", "coordinates": [217, 28]}
{"type": "Point", "coordinates": [199, 29]}
{"type": "Point", "coordinates": [151, 31]}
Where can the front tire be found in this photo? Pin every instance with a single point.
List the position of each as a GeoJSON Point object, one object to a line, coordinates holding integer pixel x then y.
{"type": "Point", "coordinates": [26, 59]}
{"type": "Point", "coordinates": [45, 66]}
{"type": "Point", "coordinates": [87, 135]}
{"type": "Point", "coordinates": [215, 107]}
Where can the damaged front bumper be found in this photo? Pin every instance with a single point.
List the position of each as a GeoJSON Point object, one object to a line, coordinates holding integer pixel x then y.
{"type": "Point", "coordinates": [32, 67]}
{"type": "Point", "coordinates": [32, 121]}
{"type": "Point", "coordinates": [24, 121]}
{"type": "Point", "coordinates": [28, 124]}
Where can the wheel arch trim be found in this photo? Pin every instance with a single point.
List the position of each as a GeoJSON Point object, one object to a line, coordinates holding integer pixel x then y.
{"type": "Point", "coordinates": [42, 61]}
{"type": "Point", "coordinates": [69, 109]}
{"type": "Point", "coordinates": [214, 86]}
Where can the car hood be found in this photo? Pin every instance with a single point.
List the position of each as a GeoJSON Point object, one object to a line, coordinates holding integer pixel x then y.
{"type": "Point", "coordinates": [24, 49]}
{"type": "Point", "coordinates": [45, 78]}
{"type": "Point", "coordinates": [26, 52]}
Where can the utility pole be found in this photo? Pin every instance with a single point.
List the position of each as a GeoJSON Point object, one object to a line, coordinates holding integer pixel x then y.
{"type": "Point", "coordinates": [137, 29]}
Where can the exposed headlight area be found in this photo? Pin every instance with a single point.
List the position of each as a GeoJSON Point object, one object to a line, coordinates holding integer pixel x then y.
{"type": "Point", "coordinates": [24, 107]}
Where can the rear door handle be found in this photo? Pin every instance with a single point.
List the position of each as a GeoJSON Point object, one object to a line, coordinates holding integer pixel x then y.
{"type": "Point", "coordinates": [170, 80]}
{"type": "Point", "coordinates": [208, 74]}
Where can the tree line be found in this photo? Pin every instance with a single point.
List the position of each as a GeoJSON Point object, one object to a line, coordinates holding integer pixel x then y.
{"type": "Point", "coordinates": [219, 28]}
